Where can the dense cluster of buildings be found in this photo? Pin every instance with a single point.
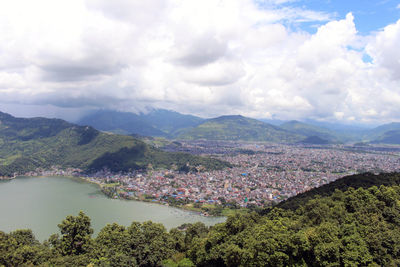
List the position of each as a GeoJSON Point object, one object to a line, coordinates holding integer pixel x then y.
{"type": "Point", "coordinates": [260, 174]}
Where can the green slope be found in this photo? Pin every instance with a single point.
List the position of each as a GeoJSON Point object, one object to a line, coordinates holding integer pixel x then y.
{"type": "Point", "coordinates": [364, 180]}
{"type": "Point", "coordinates": [239, 128]}
{"type": "Point", "coordinates": [356, 227]}
{"type": "Point", "coordinates": [389, 137]}
{"type": "Point", "coordinates": [26, 144]}
{"type": "Point", "coordinates": [378, 132]}
{"type": "Point", "coordinates": [169, 121]}
{"type": "Point", "coordinates": [120, 122]}
{"type": "Point", "coordinates": [309, 130]}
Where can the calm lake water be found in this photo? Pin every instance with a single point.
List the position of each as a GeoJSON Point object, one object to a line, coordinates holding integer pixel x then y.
{"type": "Point", "coordinates": [40, 203]}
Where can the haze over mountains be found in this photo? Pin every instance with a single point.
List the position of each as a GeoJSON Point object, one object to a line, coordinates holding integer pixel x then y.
{"type": "Point", "coordinates": [173, 125]}
{"type": "Point", "coordinates": [155, 123]}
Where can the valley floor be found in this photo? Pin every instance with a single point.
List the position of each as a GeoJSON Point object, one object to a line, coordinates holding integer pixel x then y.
{"type": "Point", "coordinates": [262, 174]}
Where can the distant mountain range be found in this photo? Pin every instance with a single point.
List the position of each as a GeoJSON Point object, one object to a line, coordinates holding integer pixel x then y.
{"type": "Point", "coordinates": [384, 134]}
{"type": "Point", "coordinates": [389, 137]}
{"type": "Point", "coordinates": [309, 130]}
{"type": "Point", "coordinates": [378, 133]}
{"type": "Point", "coordinates": [27, 144]}
{"type": "Point", "coordinates": [239, 128]}
{"type": "Point", "coordinates": [173, 125]}
{"type": "Point", "coordinates": [163, 123]}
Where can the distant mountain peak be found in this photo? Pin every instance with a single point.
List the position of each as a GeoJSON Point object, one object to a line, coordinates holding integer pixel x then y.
{"type": "Point", "coordinates": [238, 127]}
{"type": "Point", "coordinates": [230, 117]}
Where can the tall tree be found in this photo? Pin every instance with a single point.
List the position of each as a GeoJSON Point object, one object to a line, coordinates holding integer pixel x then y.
{"type": "Point", "coordinates": [76, 234]}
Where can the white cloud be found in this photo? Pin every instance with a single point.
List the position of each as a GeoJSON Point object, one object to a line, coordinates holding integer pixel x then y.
{"type": "Point", "coordinates": [384, 49]}
{"type": "Point", "coordinates": [204, 57]}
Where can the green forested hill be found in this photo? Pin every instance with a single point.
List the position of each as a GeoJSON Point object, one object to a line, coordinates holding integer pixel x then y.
{"type": "Point", "coordinates": [26, 144]}
{"type": "Point", "coordinates": [359, 226]}
{"type": "Point", "coordinates": [389, 137]}
{"type": "Point", "coordinates": [239, 128]}
{"type": "Point", "coordinates": [364, 180]}
{"type": "Point", "coordinates": [379, 131]}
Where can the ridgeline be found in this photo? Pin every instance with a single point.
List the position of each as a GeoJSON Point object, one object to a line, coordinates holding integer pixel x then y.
{"type": "Point", "coordinates": [27, 144]}
{"type": "Point", "coordinates": [239, 128]}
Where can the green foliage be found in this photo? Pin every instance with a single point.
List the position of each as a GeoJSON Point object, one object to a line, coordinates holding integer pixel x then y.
{"type": "Point", "coordinates": [364, 180]}
{"type": "Point", "coordinates": [150, 243]}
{"type": "Point", "coordinates": [141, 155]}
{"type": "Point", "coordinates": [20, 248]}
{"type": "Point", "coordinates": [354, 227]}
{"type": "Point", "coordinates": [364, 233]}
{"type": "Point", "coordinates": [76, 234]}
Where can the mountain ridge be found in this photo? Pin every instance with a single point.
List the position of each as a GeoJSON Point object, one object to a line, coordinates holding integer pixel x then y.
{"type": "Point", "coordinates": [27, 144]}
{"type": "Point", "coordinates": [238, 127]}
{"type": "Point", "coordinates": [310, 130]}
{"type": "Point", "coordinates": [157, 122]}
{"type": "Point", "coordinates": [173, 125]}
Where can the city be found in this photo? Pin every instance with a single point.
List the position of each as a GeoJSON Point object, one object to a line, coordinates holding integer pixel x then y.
{"type": "Point", "coordinates": [262, 173]}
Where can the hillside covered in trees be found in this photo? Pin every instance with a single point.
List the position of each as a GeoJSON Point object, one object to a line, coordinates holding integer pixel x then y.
{"type": "Point", "coordinates": [359, 226]}
{"type": "Point", "coordinates": [239, 128]}
{"type": "Point", "coordinates": [27, 144]}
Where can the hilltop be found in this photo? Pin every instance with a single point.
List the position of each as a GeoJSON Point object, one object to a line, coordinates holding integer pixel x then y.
{"type": "Point", "coordinates": [27, 144]}
{"type": "Point", "coordinates": [237, 127]}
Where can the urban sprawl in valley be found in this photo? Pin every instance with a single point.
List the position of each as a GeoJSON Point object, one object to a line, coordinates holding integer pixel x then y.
{"type": "Point", "coordinates": [262, 173]}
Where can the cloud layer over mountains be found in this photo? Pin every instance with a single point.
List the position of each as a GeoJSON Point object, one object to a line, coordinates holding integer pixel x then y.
{"type": "Point", "coordinates": [203, 57]}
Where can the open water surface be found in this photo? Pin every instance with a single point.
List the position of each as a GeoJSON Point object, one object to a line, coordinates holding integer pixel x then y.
{"type": "Point", "coordinates": [40, 203]}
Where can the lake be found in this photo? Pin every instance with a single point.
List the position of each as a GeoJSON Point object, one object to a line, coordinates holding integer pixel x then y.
{"type": "Point", "coordinates": [40, 203]}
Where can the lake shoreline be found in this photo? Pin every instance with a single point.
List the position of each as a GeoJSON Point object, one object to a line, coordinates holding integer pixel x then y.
{"type": "Point", "coordinates": [197, 211]}
{"type": "Point", "coordinates": [41, 204]}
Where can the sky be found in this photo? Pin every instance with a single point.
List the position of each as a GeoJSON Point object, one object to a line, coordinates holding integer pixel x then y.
{"type": "Point", "coordinates": [336, 61]}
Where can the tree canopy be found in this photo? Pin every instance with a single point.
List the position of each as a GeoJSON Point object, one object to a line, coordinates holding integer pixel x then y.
{"type": "Point", "coordinates": [353, 227]}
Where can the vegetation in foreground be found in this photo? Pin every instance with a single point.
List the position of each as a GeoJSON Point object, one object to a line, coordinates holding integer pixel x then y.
{"type": "Point", "coordinates": [355, 227]}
